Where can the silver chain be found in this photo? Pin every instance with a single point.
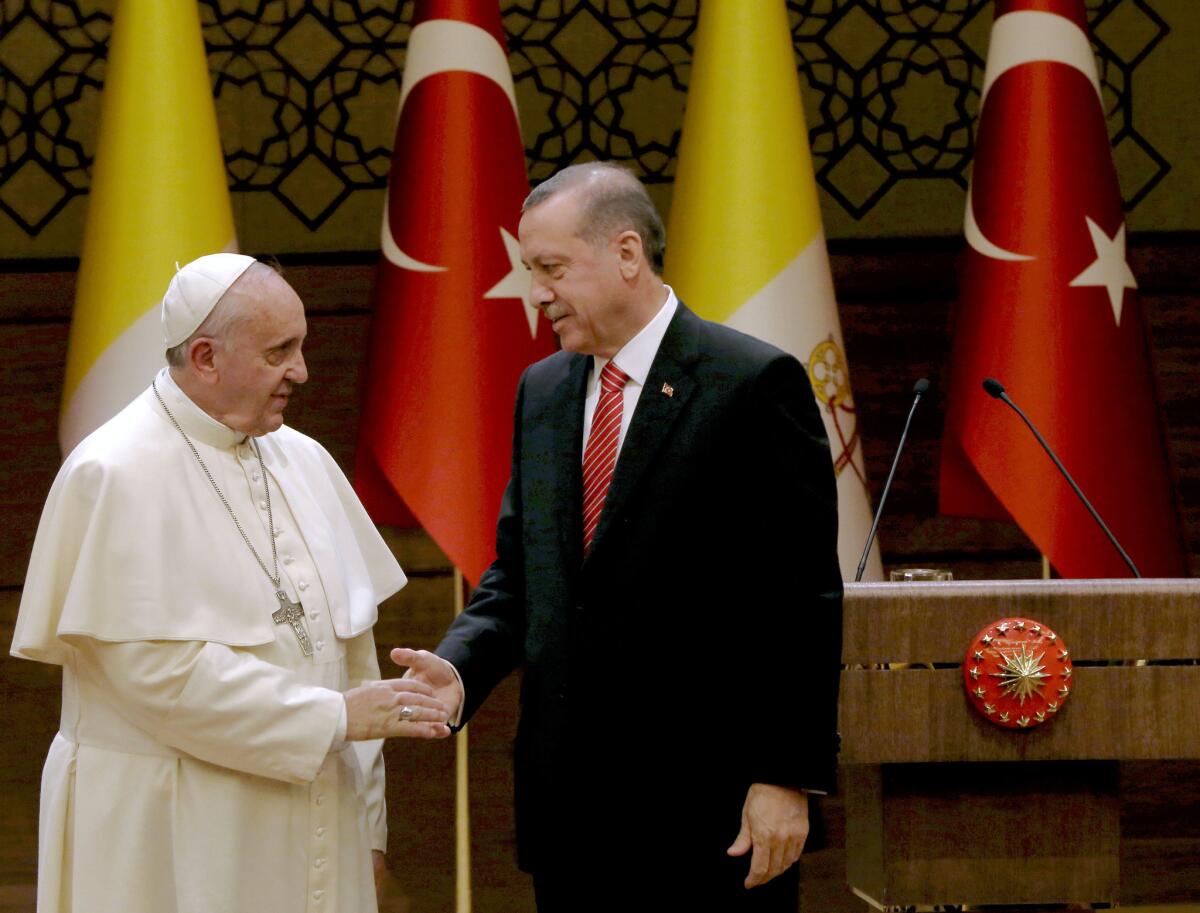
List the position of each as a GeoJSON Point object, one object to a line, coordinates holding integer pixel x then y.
{"type": "Point", "coordinates": [274, 578]}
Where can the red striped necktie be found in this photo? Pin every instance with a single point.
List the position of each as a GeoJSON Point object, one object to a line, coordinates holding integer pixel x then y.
{"type": "Point", "coordinates": [600, 457]}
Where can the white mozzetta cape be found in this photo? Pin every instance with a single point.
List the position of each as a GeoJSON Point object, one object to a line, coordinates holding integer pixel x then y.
{"type": "Point", "coordinates": [193, 769]}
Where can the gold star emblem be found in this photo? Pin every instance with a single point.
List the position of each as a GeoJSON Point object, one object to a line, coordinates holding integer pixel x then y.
{"type": "Point", "coordinates": [1020, 626]}
{"type": "Point", "coordinates": [1064, 691]}
{"type": "Point", "coordinates": [979, 693]}
{"type": "Point", "coordinates": [1003, 627]}
{"type": "Point", "coordinates": [1004, 718]}
{"type": "Point", "coordinates": [1036, 629]}
{"type": "Point", "coordinates": [1052, 706]}
{"type": "Point", "coordinates": [1051, 636]}
{"type": "Point", "coordinates": [1066, 673]}
{"type": "Point", "coordinates": [986, 639]}
{"type": "Point", "coordinates": [975, 673]}
{"type": "Point", "coordinates": [989, 709]}
{"type": "Point", "coordinates": [1063, 654]}
{"type": "Point", "coordinates": [1021, 673]}
{"type": "Point", "coordinates": [978, 656]}
{"type": "Point", "coordinates": [1023, 721]}
{"type": "Point", "coordinates": [1041, 716]}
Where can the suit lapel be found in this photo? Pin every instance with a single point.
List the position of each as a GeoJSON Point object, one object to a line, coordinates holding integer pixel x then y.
{"type": "Point", "coordinates": [668, 386]}
{"type": "Point", "coordinates": [553, 456]}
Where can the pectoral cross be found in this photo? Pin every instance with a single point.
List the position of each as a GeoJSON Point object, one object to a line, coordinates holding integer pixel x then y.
{"type": "Point", "coordinates": [291, 613]}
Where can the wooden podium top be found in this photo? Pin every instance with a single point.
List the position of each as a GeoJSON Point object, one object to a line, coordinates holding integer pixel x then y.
{"type": "Point", "coordinates": [1133, 643]}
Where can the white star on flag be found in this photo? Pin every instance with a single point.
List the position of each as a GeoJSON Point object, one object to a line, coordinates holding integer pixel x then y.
{"type": "Point", "coordinates": [1110, 269]}
{"type": "Point", "coordinates": [516, 283]}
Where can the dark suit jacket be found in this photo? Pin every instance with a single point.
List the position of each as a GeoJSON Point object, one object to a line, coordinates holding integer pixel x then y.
{"type": "Point", "coordinates": [695, 650]}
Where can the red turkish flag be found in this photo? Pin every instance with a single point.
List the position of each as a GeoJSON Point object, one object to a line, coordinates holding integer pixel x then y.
{"type": "Point", "coordinates": [453, 327]}
{"type": "Point", "coordinates": [1047, 305]}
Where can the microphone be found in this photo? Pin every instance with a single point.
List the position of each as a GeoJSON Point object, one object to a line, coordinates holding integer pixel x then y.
{"type": "Point", "coordinates": [995, 389]}
{"type": "Point", "coordinates": [920, 388]}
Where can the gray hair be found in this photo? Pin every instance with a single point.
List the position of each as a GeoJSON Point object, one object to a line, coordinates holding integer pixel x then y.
{"type": "Point", "coordinates": [225, 313]}
{"type": "Point", "coordinates": [614, 200]}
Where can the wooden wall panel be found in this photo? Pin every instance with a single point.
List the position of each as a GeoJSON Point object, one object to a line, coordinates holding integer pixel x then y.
{"type": "Point", "coordinates": [30, 389]}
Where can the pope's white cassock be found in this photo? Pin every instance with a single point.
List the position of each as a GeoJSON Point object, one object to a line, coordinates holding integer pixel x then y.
{"type": "Point", "coordinates": [199, 765]}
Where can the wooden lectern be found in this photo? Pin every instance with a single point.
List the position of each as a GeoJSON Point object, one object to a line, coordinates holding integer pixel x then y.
{"type": "Point", "coordinates": [943, 807]}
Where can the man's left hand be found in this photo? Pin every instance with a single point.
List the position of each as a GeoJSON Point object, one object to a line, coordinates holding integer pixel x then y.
{"type": "Point", "coordinates": [775, 826]}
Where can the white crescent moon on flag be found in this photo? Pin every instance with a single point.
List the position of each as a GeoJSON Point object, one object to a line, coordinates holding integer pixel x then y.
{"type": "Point", "coordinates": [1019, 38]}
{"type": "Point", "coordinates": [443, 46]}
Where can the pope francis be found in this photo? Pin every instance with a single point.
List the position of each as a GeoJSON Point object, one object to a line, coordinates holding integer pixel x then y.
{"type": "Point", "coordinates": [208, 582]}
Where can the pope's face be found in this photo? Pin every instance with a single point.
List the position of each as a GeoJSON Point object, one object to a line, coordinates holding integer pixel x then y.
{"type": "Point", "coordinates": [259, 362]}
{"type": "Point", "coordinates": [577, 285]}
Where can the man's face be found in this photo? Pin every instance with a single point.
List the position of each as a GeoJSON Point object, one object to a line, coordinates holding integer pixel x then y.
{"type": "Point", "coordinates": [577, 286]}
{"type": "Point", "coordinates": [259, 361]}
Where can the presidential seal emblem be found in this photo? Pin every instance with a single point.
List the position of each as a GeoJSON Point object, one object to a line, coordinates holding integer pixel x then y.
{"type": "Point", "coordinates": [1017, 673]}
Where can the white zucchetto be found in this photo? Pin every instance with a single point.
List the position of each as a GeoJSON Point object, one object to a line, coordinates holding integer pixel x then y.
{"type": "Point", "coordinates": [194, 292]}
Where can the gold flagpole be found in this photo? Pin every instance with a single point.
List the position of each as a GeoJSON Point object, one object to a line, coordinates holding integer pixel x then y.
{"type": "Point", "coordinates": [1045, 568]}
{"type": "Point", "coordinates": [462, 809]}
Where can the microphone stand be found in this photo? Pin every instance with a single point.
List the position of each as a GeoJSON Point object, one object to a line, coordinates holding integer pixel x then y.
{"type": "Point", "coordinates": [919, 389]}
{"type": "Point", "coordinates": [995, 389]}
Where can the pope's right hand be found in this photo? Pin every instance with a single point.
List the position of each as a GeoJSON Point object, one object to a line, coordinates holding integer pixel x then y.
{"type": "Point", "coordinates": [395, 707]}
{"type": "Point", "coordinates": [434, 671]}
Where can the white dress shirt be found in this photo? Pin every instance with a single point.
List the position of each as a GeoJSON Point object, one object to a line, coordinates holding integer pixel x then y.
{"type": "Point", "coordinates": [635, 359]}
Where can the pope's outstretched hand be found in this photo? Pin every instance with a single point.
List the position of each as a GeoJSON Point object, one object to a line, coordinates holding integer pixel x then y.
{"type": "Point", "coordinates": [395, 707]}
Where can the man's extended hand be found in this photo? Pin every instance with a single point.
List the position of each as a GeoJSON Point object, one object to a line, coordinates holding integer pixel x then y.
{"type": "Point", "coordinates": [434, 671]}
{"type": "Point", "coordinates": [775, 825]}
{"type": "Point", "coordinates": [376, 711]}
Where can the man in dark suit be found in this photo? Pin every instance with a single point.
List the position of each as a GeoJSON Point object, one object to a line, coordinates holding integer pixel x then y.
{"type": "Point", "coordinates": [666, 577]}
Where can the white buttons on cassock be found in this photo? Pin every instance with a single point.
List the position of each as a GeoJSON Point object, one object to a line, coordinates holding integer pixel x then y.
{"type": "Point", "coordinates": [303, 585]}
{"type": "Point", "coordinates": [314, 615]}
{"type": "Point", "coordinates": [287, 559]}
{"type": "Point", "coordinates": [320, 646]}
{"type": "Point", "coordinates": [262, 505]}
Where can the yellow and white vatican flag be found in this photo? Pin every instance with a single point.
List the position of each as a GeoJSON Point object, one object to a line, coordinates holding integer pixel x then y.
{"type": "Point", "coordinates": [745, 242]}
{"type": "Point", "coordinates": [159, 196]}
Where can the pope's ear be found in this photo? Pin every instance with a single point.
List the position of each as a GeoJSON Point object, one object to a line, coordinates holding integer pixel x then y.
{"type": "Point", "coordinates": [201, 357]}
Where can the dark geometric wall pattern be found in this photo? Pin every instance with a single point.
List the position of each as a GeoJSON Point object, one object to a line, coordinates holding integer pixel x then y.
{"type": "Point", "coordinates": [305, 92]}
{"type": "Point", "coordinates": [873, 62]}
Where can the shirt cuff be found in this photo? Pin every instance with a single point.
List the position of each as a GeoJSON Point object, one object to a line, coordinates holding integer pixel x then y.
{"type": "Point", "coordinates": [339, 734]}
{"type": "Point", "coordinates": [454, 721]}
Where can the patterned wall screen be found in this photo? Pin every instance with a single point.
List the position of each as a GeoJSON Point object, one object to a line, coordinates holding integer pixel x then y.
{"type": "Point", "coordinates": [306, 95]}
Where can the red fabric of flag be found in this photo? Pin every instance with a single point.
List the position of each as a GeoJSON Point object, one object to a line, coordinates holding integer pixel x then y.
{"type": "Point", "coordinates": [1048, 306]}
{"type": "Point", "coordinates": [453, 327]}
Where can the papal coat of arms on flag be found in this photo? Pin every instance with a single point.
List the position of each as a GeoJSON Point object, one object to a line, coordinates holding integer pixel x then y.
{"type": "Point", "coordinates": [745, 242]}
